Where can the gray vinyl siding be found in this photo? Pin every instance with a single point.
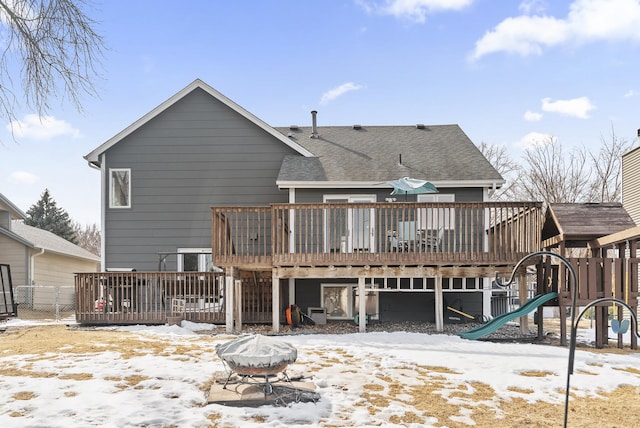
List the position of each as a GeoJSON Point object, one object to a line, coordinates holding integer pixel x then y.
{"type": "Point", "coordinates": [316, 195]}
{"type": "Point", "coordinates": [196, 154]}
{"type": "Point", "coordinates": [464, 243]}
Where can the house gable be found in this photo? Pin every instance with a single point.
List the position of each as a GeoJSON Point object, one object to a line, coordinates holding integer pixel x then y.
{"type": "Point", "coordinates": [8, 212]}
{"type": "Point", "coordinates": [195, 153]}
{"type": "Point", "coordinates": [94, 156]}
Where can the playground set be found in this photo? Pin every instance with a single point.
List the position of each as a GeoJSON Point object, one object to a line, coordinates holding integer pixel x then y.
{"type": "Point", "coordinates": [573, 286]}
{"type": "Point", "coordinates": [604, 285]}
{"type": "Point", "coordinates": [596, 279]}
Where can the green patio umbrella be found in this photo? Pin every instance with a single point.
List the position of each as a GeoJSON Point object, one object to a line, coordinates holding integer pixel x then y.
{"type": "Point", "coordinates": [411, 186]}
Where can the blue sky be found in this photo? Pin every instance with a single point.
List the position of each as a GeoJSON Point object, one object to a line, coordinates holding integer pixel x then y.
{"type": "Point", "coordinates": [508, 72]}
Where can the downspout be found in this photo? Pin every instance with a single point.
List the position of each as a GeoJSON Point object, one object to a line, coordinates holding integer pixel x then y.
{"type": "Point", "coordinates": [103, 211]}
{"type": "Point", "coordinates": [32, 266]}
{"type": "Point", "coordinates": [292, 225]}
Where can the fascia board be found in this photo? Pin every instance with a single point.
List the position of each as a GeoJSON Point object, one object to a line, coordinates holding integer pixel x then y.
{"type": "Point", "coordinates": [89, 258]}
{"type": "Point", "coordinates": [16, 237]}
{"type": "Point", "coordinates": [93, 156]}
{"type": "Point", "coordinates": [13, 209]}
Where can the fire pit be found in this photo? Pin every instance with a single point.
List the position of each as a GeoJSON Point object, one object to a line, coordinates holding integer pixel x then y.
{"type": "Point", "coordinates": [257, 356]}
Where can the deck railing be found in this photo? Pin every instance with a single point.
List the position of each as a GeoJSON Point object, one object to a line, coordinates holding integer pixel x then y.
{"type": "Point", "coordinates": [149, 297]}
{"type": "Point", "coordinates": [375, 233]}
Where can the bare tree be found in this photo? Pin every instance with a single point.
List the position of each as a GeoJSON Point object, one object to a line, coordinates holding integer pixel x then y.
{"type": "Point", "coordinates": [551, 175]}
{"type": "Point", "coordinates": [606, 185]}
{"type": "Point", "coordinates": [57, 48]}
{"type": "Point", "coordinates": [88, 237]}
{"type": "Point", "coordinates": [498, 156]}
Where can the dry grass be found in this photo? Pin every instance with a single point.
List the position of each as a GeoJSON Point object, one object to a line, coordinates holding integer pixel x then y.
{"type": "Point", "coordinates": [430, 399]}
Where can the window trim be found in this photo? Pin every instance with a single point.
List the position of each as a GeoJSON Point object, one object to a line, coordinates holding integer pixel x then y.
{"type": "Point", "coordinates": [111, 187]}
{"type": "Point", "coordinates": [352, 240]}
{"type": "Point", "coordinates": [203, 260]}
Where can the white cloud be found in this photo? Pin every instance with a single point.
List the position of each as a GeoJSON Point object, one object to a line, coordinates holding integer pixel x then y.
{"type": "Point", "coordinates": [535, 139]}
{"type": "Point", "coordinates": [334, 93]}
{"type": "Point", "coordinates": [587, 21]}
{"type": "Point", "coordinates": [530, 6]}
{"type": "Point", "coordinates": [577, 107]}
{"type": "Point", "coordinates": [631, 93]}
{"type": "Point", "coordinates": [42, 128]}
{"type": "Point", "coordinates": [532, 116]}
{"type": "Point", "coordinates": [414, 10]}
{"type": "Point", "coordinates": [22, 177]}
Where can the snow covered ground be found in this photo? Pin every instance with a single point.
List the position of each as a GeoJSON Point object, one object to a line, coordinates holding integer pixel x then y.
{"type": "Point", "coordinates": [157, 377]}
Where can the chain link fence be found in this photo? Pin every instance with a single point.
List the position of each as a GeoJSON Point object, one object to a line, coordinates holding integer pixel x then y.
{"type": "Point", "coordinates": [38, 302]}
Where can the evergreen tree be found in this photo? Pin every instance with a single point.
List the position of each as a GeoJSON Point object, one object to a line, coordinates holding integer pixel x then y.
{"type": "Point", "coordinates": [46, 215]}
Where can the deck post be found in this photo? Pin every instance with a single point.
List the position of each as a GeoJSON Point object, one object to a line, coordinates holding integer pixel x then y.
{"type": "Point", "coordinates": [523, 297]}
{"type": "Point", "coordinates": [237, 300]}
{"type": "Point", "coordinates": [362, 306]}
{"type": "Point", "coordinates": [229, 305]}
{"type": "Point", "coordinates": [439, 312]}
{"type": "Point", "coordinates": [487, 293]}
{"type": "Point", "coordinates": [292, 291]}
{"type": "Point", "coordinates": [275, 301]}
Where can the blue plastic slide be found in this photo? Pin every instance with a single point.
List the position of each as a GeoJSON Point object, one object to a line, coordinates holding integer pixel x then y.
{"type": "Point", "coordinates": [501, 320]}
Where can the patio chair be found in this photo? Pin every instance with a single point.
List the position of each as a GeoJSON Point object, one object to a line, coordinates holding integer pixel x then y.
{"type": "Point", "coordinates": [432, 239]}
{"type": "Point", "coordinates": [178, 306]}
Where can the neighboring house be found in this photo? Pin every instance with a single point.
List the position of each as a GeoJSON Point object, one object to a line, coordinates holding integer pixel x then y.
{"type": "Point", "coordinates": [40, 258]}
{"type": "Point", "coordinates": [631, 183]}
{"type": "Point", "coordinates": [162, 175]}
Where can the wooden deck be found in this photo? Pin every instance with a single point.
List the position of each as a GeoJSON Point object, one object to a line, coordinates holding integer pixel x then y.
{"type": "Point", "coordinates": [375, 234]}
{"type": "Point", "coordinates": [148, 297]}
{"type": "Point", "coordinates": [257, 244]}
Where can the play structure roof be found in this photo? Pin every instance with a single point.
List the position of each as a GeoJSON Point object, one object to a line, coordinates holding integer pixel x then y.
{"type": "Point", "coordinates": [575, 224]}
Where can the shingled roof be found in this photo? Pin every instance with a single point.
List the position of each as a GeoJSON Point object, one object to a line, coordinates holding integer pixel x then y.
{"type": "Point", "coordinates": [51, 242]}
{"type": "Point", "coordinates": [441, 154]}
{"type": "Point", "coordinates": [576, 224]}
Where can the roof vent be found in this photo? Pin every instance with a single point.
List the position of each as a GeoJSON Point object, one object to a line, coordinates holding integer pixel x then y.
{"type": "Point", "coordinates": [314, 125]}
{"type": "Point", "coordinates": [293, 127]}
{"type": "Point", "coordinates": [420, 126]}
{"type": "Point", "coordinates": [357, 126]}
{"type": "Point", "coordinates": [290, 134]}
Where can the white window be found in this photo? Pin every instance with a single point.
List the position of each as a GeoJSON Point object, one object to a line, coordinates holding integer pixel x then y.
{"type": "Point", "coordinates": [194, 259]}
{"type": "Point", "coordinates": [439, 218]}
{"type": "Point", "coordinates": [337, 299]}
{"type": "Point", "coordinates": [120, 188]}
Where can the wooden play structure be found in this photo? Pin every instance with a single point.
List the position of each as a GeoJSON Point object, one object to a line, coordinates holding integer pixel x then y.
{"type": "Point", "coordinates": [601, 243]}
